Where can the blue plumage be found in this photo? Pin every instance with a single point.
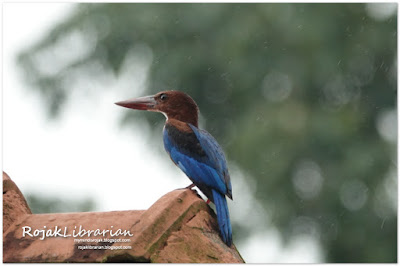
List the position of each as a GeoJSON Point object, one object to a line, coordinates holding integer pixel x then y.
{"type": "Point", "coordinates": [216, 158]}
{"type": "Point", "coordinates": [200, 157]}
{"type": "Point", "coordinates": [193, 150]}
{"type": "Point", "coordinates": [224, 222]}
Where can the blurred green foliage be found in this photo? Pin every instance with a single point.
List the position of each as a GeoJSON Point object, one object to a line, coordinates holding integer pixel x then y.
{"type": "Point", "coordinates": [49, 204]}
{"type": "Point", "coordinates": [301, 96]}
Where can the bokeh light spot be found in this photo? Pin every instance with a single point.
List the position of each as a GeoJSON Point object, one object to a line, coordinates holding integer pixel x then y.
{"type": "Point", "coordinates": [307, 179]}
{"type": "Point", "coordinates": [276, 86]}
{"type": "Point", "coordinates": [386, 124]}
{"type": "Point", "coordinates": [353, 194]}
{"type": "Point", "coordinates": [381, 11]}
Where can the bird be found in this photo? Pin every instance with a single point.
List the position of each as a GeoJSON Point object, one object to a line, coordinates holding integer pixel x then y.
{"type": "Point", "coordinates": [193, 150]}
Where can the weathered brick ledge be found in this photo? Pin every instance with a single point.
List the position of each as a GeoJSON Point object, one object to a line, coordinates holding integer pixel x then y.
{"type": "Point", "coordinates": [180, 227]}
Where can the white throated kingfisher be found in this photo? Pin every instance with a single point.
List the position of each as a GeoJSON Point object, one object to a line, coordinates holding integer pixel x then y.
{"type": "Point", "coordinates": [192, 149]}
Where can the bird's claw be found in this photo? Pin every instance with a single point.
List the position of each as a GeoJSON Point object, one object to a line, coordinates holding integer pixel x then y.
{"type": "Point", "coordinates": [190, 186]}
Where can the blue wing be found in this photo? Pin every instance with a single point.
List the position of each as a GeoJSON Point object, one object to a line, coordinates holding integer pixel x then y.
{"type": "Point", "coordinates": [215, 154]}
{"type": "Point", "coordinates": [200, 157]}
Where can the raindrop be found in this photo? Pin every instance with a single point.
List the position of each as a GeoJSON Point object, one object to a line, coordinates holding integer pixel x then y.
{"type": "Point", "coordinates": [383, 222]}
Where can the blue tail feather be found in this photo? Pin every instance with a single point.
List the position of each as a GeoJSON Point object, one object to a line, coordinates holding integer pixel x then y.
{"type": "Point", "coordinates": [224, 222]}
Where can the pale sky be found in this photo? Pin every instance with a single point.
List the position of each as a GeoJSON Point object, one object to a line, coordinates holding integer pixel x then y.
{"type": "Point", "coordinates": [86, 153]}
{"type": "Point", "coordinates": [72, 156]}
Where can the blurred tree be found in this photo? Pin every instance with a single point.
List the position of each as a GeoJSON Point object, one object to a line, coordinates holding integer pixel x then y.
{"type": "Point", "coordinates": [301, 96]}
{"type": "Point", "coordinates": [40, 204]}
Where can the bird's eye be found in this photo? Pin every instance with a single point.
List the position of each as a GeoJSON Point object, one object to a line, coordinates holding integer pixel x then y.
{"type": "Point", "coordinates": [163, 97]}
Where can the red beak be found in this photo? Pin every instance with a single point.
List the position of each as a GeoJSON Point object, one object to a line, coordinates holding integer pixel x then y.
{"type": "Point", "coordinates": [142, 103]}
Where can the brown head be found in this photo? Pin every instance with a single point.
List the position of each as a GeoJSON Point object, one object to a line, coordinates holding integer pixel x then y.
{"type": "Point", "coordinates": [173, 104]}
